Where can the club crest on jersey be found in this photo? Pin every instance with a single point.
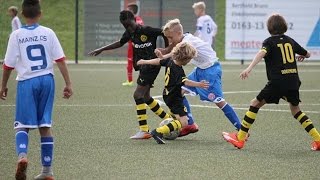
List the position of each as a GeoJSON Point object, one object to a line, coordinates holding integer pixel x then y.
{"type": "Point", "coordinates": [143, 38]}
{"type": "Point", "coordinates": [211, 96]}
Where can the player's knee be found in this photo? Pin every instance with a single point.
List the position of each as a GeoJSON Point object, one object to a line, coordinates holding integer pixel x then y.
{"type": "Point", "coordinates": [256, 103]}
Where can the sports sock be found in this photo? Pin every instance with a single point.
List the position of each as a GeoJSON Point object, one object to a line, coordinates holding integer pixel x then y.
{"type": "Point", "coordinates": [22, 141]}
{"type": "Point", "coordinates": [142, 114]}
{"type": "Point", "coordinates": [231, 115]}
{"type": "Point", "coordinates": [189, 114]}
{"type": "Point", "coordinates": [155, 107]}
{"type": "Point", "coordinates": [247, 121]}
{"type": "Point", "coordinates": [46, 151]}
{"type": "Point", "coordinates": [172, 126]}
{"type": "Point", "coordinates": [306, 123]}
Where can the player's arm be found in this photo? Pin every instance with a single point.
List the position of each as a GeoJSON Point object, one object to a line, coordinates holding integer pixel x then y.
{"type": "Point", "coordinates": [5, 77]}
{"type": "Point", "coordinates": [302, 53]}
{"type": "Point", "coordinates": [67, 91]}
{"type": "Point", "coordinates": [245, 73]}
{"type": "Point", "coordinates": [114, 45]}
{"type": "Point", "coordinates": [124, 39]}
{"type": "Point", "coordinates": [155, 61]}
{"type": "Point", "coordinates": [9, 63]}
{"type": "Point", "coordinates": [202, 84]}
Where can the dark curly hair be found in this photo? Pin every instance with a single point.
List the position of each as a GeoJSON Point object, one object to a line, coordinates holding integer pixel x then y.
{"type": "Point", "coordinates": [126, 15]}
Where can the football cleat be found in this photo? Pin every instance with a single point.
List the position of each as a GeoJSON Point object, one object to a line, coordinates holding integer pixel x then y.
{"type": "Point", "coordinates": [193, 128]}
{"type": "Point", "coordinates": [141, 135]}
{"type": "Point", "coordinates": [157, 136]}
{"type": "Point", "coordinates": [127, 83]}
{"type": "Point", "coordinates": [44, 176]}
{"type": "Point", "coordinates": [21, 172]}
{"type": "Point", "coordinates": [315, 146]}
{"type": "Point", "coordinates": [246, 139]}
{"type": "Point", "coordinates": [232, 139]}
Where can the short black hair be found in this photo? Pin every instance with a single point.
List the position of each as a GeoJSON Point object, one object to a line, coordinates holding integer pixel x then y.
{"type": "Point", "coordinates": [126, 15]}
{"type": "Point", "coordinates": [31, 8]}
{"type": "Point", "coordinates": [134, 8]}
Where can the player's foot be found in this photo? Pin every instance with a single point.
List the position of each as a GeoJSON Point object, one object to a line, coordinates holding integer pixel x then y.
{"type": "Point", "coordinates": [44, 176]}
{"type": "Point", "coordinates": [157, 136]}
{"type": "Point", "coordinates": [315, 146]}
{"type": "Point", "coordinates": [232, 139]}
{"type": "Point", "coordinates": [246, 139]}
{"type": "Point", "coordinates": [193, 128]}
{"type": "Point", "coordinates": [21, 172]}
{"type": "Point", "coordinates": [141, 135]}
{"type": "Point", "coordinates": [127, 83]}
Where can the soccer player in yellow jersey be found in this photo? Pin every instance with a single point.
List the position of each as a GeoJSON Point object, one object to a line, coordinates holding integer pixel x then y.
{"type": "Point", "coordinates": [279, 52]}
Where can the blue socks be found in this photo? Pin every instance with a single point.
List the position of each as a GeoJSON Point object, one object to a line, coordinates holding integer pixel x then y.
{"type": "Point", "coordinates": [46, 150]}
{"type": "Point", "coordinates": [189, 114]}
{"type": "Point", "coordinates": [232, 116]}
{"type": "Point", "coordinates": [22, 141]}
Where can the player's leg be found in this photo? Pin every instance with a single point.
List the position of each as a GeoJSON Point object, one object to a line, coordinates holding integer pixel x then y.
{"type": "Point", "coordinates": [149, 75]}
{"type": "Point", "coordinates": [306, 123]}
{"type": "Point", "coordinates": [26, 118]}
{"type": "Point", "coordinates": [214, 92]}
{"type": "Point", "coordinates": [177, 108]}
{"type": "Point", "coordinates": [47, 145]}
{"type": "Point", "coordinates": [138, 96]}
{"type": "Point", "coordinates": [44, 111]}
{"type": "Point", "coordinates": [238, 138]}
{"type": "Point", "coordinates": [22, 143]}
{"type": "Point", "coordinates": [192, 127]}
{"type": "Point", "coordinates": [155, 106]}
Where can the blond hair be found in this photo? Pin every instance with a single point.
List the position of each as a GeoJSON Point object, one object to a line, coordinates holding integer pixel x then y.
{"type": "Point", "coordinates": [172, 25]}
{"type": "Point", "coordinates": [199, 5]}
{"type": "Point", "coordinates": [14, 9]}
{"type": "Point", "coordinates": [183, 52]}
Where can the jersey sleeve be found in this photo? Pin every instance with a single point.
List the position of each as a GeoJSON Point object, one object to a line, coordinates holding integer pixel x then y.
{"type": "Point", "coordinates": [298, 49]}
{"type": "Point", "coordinates": [12, 52]}
{"type": "Point", "coordinates": [57, 53]}
{"type": "Point", "coordinates": [199, 24]}
{"type": "Point", "coordinates": [125, 38]}
{"type": "Point", "coordinates": [265, 46]}
{"type": "Point", "coordinates": [164, 62]}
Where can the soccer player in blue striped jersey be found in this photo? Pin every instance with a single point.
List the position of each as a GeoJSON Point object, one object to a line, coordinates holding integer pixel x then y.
{"type": "Point", "coordinates": [31, 50]}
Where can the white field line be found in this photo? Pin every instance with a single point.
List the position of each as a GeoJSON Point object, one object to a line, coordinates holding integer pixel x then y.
{"type": "Point", "coordinates": [194, 106]}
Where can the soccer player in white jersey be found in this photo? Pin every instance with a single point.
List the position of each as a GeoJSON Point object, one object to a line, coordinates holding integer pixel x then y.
{"type": "Point", "coordinates": [207, 68]}
{"type": "Point", "coordinates": [31, 51]}
{"type": "Point", "coordinates": [15, 22]}
{"type": "Point", "coordinates": [206, 28]}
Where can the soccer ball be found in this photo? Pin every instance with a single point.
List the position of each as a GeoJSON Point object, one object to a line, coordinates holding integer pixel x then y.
{"type": "Point", "coordinates": [172, 135]}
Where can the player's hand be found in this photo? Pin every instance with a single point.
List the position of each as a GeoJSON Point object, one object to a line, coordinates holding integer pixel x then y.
{"type": "Point", "coordinates": [3, 93]}
{"type": "Point", "coordinates": [158, 52]}
{"type": "Point", "coordinates": [204, 84]}
{"type": "Point", "coordinates": [300, 58]}
{"type": "Point", "coordinates": [245, 73]}
{"type": "Point", "coordinates": [95, 52]}
{"type": "Point", "coordinates": [67, 92]}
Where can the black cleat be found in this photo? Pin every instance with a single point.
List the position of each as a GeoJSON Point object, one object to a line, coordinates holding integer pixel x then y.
{"type": "Point", "coordinates": [157, 136]}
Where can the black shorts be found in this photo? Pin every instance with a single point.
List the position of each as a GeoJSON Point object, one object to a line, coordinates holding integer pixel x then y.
{"type": "Point", "coordinates": [274, 91]}
{"type": "Point", "coordinates": [175, 105]}
{"type": "Point", "coordinates": [148, 75]}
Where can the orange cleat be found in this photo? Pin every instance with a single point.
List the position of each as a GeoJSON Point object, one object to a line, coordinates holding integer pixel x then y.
{"type": "Point", "coordinates": [141, 135]}
{"type": "Point", "coordinates": [193, 128]}
{"type": "Point", "coordinates": [315, 146]}
{"type": "Point", "coordinates": [232, 139]}
{"type": "Point", "coordinates": [21, 172]}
